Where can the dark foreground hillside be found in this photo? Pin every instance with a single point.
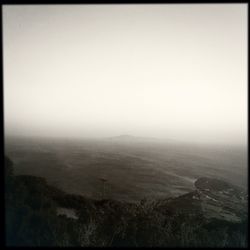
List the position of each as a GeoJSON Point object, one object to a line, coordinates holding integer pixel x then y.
{"type": "Point", "coordinates": [214, 215]}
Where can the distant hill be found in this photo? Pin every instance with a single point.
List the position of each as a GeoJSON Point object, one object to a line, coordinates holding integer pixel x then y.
{"type": "Point", "coordinates": [132, 139]}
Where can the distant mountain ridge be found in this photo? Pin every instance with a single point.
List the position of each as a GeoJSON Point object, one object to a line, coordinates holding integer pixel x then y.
{"type": "Point", "coordinates": [131, 138]}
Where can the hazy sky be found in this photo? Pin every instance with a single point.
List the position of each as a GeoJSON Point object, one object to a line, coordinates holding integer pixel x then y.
{"type": "Point", "coordinates": [168, 71]}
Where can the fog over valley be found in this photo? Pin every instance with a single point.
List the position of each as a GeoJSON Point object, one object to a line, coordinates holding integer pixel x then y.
{"type": "Point", "coordinates": [156, 71]}
{"type": "Point", "coordinates": [125, 125]}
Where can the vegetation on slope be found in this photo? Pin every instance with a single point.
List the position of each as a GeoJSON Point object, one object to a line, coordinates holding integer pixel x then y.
{"type": "Point", "coordinates": [32, 220]}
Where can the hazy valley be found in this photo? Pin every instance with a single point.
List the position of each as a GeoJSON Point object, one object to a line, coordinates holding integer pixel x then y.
{"type": "Point", "coordinates": [134, 168]}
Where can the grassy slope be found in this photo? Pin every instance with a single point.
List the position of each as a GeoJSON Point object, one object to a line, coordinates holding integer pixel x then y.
{"type": "Point", "coordinates": [31, 219]}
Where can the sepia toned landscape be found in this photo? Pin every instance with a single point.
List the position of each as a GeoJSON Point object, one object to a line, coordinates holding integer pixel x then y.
{"type": "Point", "coordinates": [125, 125]}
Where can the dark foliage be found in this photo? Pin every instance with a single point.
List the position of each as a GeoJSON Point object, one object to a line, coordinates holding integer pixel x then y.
{"type": "Point", "coordinates": [32, 220]}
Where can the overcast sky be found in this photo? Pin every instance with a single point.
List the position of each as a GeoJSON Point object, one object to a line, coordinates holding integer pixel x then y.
{"type": "Point", "coordinates": [167, 71]}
